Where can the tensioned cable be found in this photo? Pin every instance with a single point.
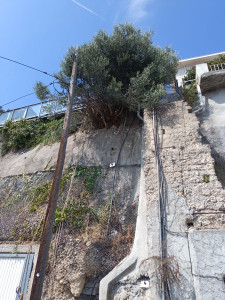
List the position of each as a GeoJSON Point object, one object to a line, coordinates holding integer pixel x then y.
{"type": "Point", "coordinates": [167, 292]}
{"type": "Point", "coordinates": [115, 173]}
{"type": "Point", "coordinates": [35, 69]}
{"type": "Point", "coordinates": [25, 96]}
{"type": "Point", "coordinates": [18, 99]}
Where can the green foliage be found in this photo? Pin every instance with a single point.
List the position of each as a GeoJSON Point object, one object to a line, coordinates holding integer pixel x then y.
{"type": "Point", "coordinates": [190, 93]}
{"type": "Point", "coordinates": [190, 74]}
{"type": "Point", "coordinates": [65, 178]}
{"type": "Point", "coordinates": [39, 195]}
{"type": "Point", "coordinates": [1, 109]}
{"type": "Point", "coordinates": [75, 122]}
{"type": "Point", "coordinates": [206, 178]}
{"type": "Point", "coordinates": [189, 90]}
{"type": "Point", "coordinates": [109, 66]}
{"type": "Point", "coordinates": [25, 134]}
{"type": "Point", "coordinates": [42, 91]}
{"type": "Point", "coordinates": [117, 71]}
{"type": "Point", "coordinates": [90, 175]}
{"type": "Point", "coordinates": [53, 131]}
{"type": "Point", "coordinates": [220, 59]}
{"type": "Point", "coordinates": [74, 215]}
{"type": "Point", "coordinates": [18, 135]}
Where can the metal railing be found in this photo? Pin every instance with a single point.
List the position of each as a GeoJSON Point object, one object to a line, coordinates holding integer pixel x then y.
{"type": "Point", "coordinates": [35, 111]}
{"type": "Point", "coordinates": [216, 67]}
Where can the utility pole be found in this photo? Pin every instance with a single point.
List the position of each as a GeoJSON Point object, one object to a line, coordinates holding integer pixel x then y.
{"type": "Point", "coordinates": [53, 198]}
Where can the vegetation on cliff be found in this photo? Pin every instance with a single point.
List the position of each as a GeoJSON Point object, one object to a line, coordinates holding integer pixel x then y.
{"type": "Point", "coordinates": [117, 72]}
{"type": "Point", "coordinates": [29, 133]}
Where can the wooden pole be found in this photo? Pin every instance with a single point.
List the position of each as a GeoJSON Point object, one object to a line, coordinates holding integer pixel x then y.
{"type": "Point", "coordinates": [53, 198]}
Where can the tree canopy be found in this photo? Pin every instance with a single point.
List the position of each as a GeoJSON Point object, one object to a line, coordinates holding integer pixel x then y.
{"type": "Point", "coordinates": [119, 71]}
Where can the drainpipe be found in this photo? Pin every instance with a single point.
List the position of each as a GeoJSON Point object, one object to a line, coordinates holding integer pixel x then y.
{"type": "Point", "coordinates": [138, 113]}
{"type": "Point", "coordinates": [200, 95]}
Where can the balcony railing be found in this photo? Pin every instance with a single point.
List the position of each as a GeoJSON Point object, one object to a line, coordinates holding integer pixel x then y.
{"type": "Point", "coordinates": [217, 67]}
{"type": "Point", "coordinates": [34, 111]}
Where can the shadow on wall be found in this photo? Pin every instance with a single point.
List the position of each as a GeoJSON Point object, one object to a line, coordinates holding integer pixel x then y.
{"type": "Point", "coordinates": [212, 126]}
{"type": "Point", "coordinates": [219, 159]}
{"type": "Point", "coordinates": [168, 118]}
{"type": "Point", "coordinates": [217, 96]}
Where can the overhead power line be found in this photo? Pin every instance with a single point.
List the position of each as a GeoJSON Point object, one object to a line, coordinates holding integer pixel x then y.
{"type": "Point", "coordinates": [24, 96]}
{"type": "Point", "coordinates": [35, 69]}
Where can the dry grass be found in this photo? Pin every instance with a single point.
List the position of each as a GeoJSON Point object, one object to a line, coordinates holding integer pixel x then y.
{"type": "Point", "coordinates": [167, 268]}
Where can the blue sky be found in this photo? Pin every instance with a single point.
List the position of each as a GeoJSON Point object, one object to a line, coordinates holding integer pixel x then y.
{"type": "Point", "coordinates": [39, 32]}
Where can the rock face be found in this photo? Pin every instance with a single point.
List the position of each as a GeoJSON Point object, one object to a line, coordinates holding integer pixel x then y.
{"type": "Point", "coordinates": [192, 207]}
{"type": "Point", "coordinates": [81, 252]}
{"type": "Point", "coordinates": [212, 120]}
{"type": "Point", "coordinates": [77, 282]}
{"type": "Point", "coordinates": [212, 81]}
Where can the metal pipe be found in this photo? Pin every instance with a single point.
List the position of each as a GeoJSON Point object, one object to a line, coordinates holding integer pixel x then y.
{"type": "Point", "coordinates": [138, 113]}
{"type": "Point", "coordinates": [200, 94]}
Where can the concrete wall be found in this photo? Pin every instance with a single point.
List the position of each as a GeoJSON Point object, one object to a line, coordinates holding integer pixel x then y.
{"type": "Point", "coordinates": [195, 218]}
{"type": "Point", "coordinates": [83, 256]}
{"type": "Point", "coordinates": [97, 148]}
{"type": "Point", "coordinates": [213, 120]}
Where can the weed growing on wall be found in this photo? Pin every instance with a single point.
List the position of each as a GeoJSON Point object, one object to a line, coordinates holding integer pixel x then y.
{"type": "Point", "coordinates": [206, 178]}
{"type": "Point", "coordinates": [79, 212]}
{"type": "Point", "coordinates": [75, 215]}
{"type": "Point", "coordinates": [39, 195]}
{"type": "Point", "coordinates": [90, 175]}
{"type": "Point", "coordinates": [29, 133]}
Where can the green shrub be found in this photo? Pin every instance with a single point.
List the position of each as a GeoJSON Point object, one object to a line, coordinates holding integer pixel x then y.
{"type": "Point", "coordinates": [219, 60]}
{"type": "Point", "coordinates": [39, 195]}
{"type": "Point", "coordinates": [76, 120]}
{"type": "Point", "coordinates": [53, 131]}
{"type": "Point", "coordinates": [90, 176]}
{"type": "Point", "coordinates": [18, 135]}
{"type": "Point", "coordinates": [190, 75]}
{"type": "Point", "coordinates": [29, 133]}
{"type": "Point", "coordinates": [190, 93]}
{"type": "Point", "coordinates": [75, 215]}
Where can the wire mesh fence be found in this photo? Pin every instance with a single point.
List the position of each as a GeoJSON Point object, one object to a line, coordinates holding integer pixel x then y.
{"type": "Point", "coordinates": [83, 241]}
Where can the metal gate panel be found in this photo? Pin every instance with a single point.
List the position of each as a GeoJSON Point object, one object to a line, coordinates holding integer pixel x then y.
{"type": "Point", "coordinates": [15, 271]}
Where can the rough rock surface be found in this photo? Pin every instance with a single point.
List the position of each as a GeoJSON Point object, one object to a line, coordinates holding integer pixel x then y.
{"type": "Point", "coordinates": [212, 81]}
{"type": "Point", "coordinates": [194, 213]}
{"type": "Point", "coordinates": [82, 257]}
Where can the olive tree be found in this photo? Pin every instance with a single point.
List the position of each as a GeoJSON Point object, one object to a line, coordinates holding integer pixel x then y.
{"type": "Point", "coordinates": [119, 71]}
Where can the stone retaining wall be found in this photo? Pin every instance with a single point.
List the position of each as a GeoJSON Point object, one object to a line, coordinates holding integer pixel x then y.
{"type": "Point", "coordinates": [194, 205]}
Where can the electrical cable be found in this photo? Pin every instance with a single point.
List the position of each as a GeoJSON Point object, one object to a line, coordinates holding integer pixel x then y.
{"type": "Point", "coordinates": [18, 99]}
{"type": "Point", "coordinates": [56, 89]}
{"type": "Point", "coordinates": [162, 203]}
{"type": "Point", "coordinates": [25, 95]}
{"type": "Point", "coordinates": [115, 173]}
{"type": "Point", "coordinates": [35, 69]}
